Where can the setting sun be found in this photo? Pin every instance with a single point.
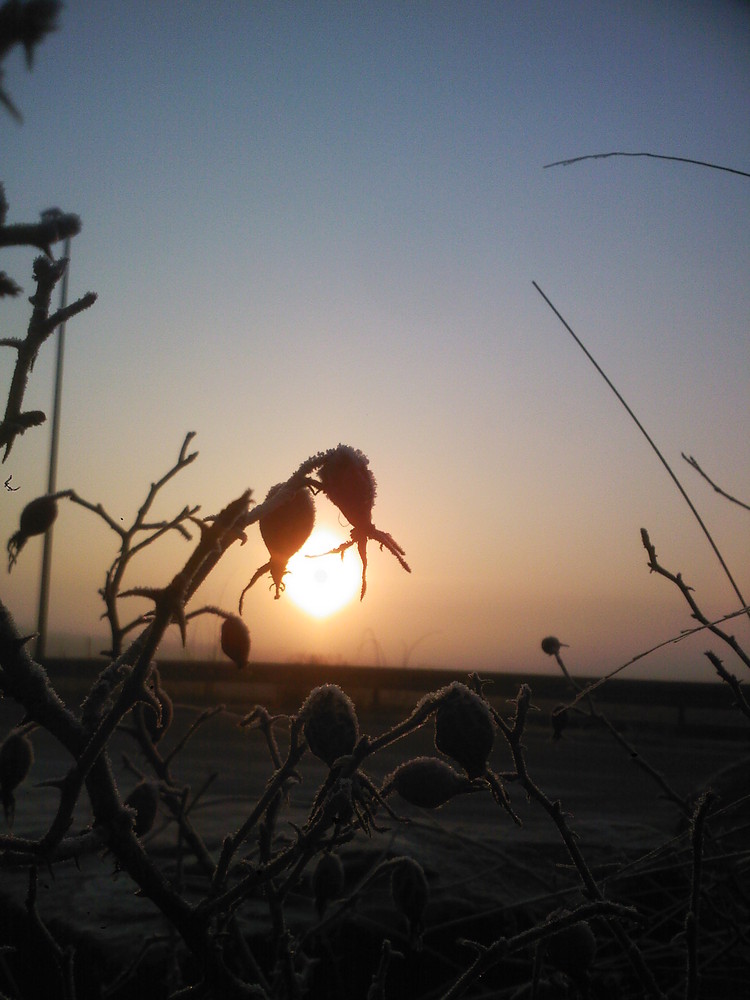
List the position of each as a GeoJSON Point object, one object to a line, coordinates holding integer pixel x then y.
{"type": "Point", "coordinates": [323, 586]}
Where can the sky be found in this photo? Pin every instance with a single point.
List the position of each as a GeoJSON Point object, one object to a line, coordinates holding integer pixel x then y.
{"type": "Point", "coordinates": [313, 223]}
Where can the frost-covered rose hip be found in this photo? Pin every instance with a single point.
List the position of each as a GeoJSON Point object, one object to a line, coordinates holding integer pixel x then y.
{"type": "Point", "coordinates": [284, 530]}
{"type": "Point", "coordinates": [572, 950]}
{"type": "Point", "coordinates": [551, 645]}
{"type": "Point", "coordinates": [464, 729]}
{"type": "Point", "coordinates": [327, 881]}
{"type": "Point", "coordinates": [348, 482]}
{"type": "Point", "coordinates": [410, 893]}
{"type": "Point", "coordinates": [235, 640]}
{"type": "Point", "coordinates": [37, 517]}
{"type": "Point", "coordinates": [329, 722]}
{"type": "Point", "coordinates": [16, 757]}
{"type": "Point", "coordinates": [427, 782]}
{"type": "Point", "coordinates": [144, 801]}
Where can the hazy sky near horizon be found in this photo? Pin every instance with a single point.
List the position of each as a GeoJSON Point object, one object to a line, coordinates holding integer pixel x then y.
{"type": "Point", "coordinates": [319, 223]}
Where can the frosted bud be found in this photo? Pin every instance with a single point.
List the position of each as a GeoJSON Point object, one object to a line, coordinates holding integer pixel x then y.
{"type": "Point", "coordinates": [329, 722]}
{"type": "Point", "coordinates": [427, 782]}
{"type": "Point", "coordinates": [464, 729]}
{"type": "Point", "coordinates": [551, 645]}
{"type": "Point", "coordinates": [37, 517]}
{"type": "Point", "coordinates": [235, 640]}
{"type": "Point", "coordinates": [144, 801]}
{"type": "Point", "coordinates": [410, 893]}
{"type": "Point", "coordinates": [327, 881]}
{"type": "Point", "coordinates": [572, 949]}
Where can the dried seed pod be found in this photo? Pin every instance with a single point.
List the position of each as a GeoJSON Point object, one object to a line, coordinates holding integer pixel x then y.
{"type": "Point", "coordinates": [16, 757]}
{"type": "Point", "coordinates": [410, 893]}
{"type": "Point", "coordinates": [235, 640]}
{"type": "Point", "coordinates": [572, 950]}
{"type": "Point", "coordinates": [464, 729]}
{"type": "Point", "coordinates": [427, 782]}
{"type": "Point", "coordinates": [551, 645]}
{"type": "Point", "coordinates": [284, 530]}
{"type": "Point", "coordinates": [144, 801]}
{"type": "Point", "coordinates": [329, 722]}
{"type": "Point", "coordinates": [327, 881]}
{"type": "Point", "coordinates": [37, 517]}
{"type": "Point", "coordinates": [347, 481]}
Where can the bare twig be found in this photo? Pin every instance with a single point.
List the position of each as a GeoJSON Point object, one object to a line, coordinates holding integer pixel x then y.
{"type": "Point", "coordinates": [691, 919]}
{"type": "Point", "coordinates": [265, 722]}
{"type": "Point", "coordinates": [645, 433]}
{"type": "Point", "coordinates": [171, 797]}
{"type": "Point", "coordinates": [740, 701]}
{"type": "Point", "coordinates": [686, 591]}
{"type": "Point", "coordinates": [654, 156]}
{"type": "Point", "coordinates": [169, 606]}
{"type": "Point", "coordinates": [129, 546]}
{"type": "Point", "coordinates": [647, 652]}
{"type": "Point", "coordinates": [692, 462]}
{"type": "Point", "coordinates": [376, 990]}
{"type": "Point", "coordinates": [195, 725]}
{"type": "Point", "coordinates": [275, 784]}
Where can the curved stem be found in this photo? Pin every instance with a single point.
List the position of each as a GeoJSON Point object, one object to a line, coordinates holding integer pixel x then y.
{"type": "Point", "coordinates": [645, 433]}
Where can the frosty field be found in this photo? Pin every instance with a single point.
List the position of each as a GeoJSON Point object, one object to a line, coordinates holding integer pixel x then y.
{"type": "Point", "coordinates": [488, 877]}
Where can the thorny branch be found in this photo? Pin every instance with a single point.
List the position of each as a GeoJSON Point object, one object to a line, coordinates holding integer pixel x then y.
{"type": "Point", "coordinates": [514, 736]}
{"type": "Point", "coordinates": [490, 956]}
{"type": "Point", "coordinates": [129, 547]}
{"type": "Point", "coordinates": [169, 604]}
{"type": "Point", "coordinates": [173, 801]}
{"type": "Point", "coordinates": [41, 325]}
{"type": "Point", "coordinates": [686, 591]}
{"type": "Point", "coordinates": [740, 701]}
{"type": "Point", "coordinates": [28, 683]}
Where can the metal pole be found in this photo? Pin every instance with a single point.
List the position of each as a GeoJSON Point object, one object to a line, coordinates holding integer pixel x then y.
{"type": "Point", "coordinates": [41, 641]}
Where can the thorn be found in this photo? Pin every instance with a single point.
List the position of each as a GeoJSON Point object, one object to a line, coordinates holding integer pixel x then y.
{"type": "Point", "coordinates": [21, 642]}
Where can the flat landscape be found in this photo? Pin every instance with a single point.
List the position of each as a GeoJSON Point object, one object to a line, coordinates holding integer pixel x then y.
{"type": "Point", "coordinates": [488, 876]}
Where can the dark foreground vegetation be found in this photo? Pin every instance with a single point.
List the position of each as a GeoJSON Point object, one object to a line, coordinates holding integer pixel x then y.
{"type": "Point", "coordinates": [485, 876]}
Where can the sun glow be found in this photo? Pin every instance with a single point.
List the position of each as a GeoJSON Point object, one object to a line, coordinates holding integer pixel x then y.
{"type": "Point", "coordinates": [320, 587]}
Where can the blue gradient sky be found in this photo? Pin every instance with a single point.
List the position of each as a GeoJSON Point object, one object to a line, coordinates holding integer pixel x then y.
{"type": "Point", "coordinates": [312, 223]}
